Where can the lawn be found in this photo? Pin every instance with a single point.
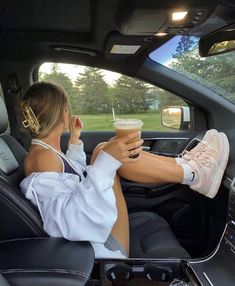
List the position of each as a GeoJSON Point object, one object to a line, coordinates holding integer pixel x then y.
{"type": "Point", "coordinates": [152, 121]}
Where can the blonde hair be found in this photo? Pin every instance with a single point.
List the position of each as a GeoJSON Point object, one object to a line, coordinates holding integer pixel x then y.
{"type": "Point", "coordinates": [43, 108]}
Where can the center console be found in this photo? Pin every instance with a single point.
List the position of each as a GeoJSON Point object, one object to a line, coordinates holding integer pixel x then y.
{"type": "Point", "coordinates": [136, 272]}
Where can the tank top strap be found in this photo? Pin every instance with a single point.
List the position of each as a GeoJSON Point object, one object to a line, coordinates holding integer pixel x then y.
{"type": "Point", "coordinates": [67, 165]}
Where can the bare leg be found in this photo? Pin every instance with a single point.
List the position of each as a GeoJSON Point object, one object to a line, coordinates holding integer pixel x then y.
{"type": "Point", "coordinates": [149, 169]}
{"type": "Point", "coordinates": [161, 158]}
{"type": "Point", "coordinates": [121, 227]}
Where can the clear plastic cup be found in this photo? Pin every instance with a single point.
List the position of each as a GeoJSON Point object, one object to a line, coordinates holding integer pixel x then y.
{"type": "Point", "coordinates": [126, 126]}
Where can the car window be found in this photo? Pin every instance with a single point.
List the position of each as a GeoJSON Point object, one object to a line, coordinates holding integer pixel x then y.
{"type": "Point", "coordinates": [181, 54]}
{"type": "Point", "coordinates": [99, 96]}
{"type": "Point", "coordinates": [1, 92]}
{"type": "Point", "coordinates": [2, 95]}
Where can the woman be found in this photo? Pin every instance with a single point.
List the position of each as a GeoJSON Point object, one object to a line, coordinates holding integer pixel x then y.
{"type": "Point", "coordinates": [81, 202]}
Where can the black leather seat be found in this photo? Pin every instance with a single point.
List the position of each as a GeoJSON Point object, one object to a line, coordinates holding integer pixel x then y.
{"type": "Point", "coordinates": [46, 262]}
{"type": "Point", "coordinates": [18, 217]}
{"type": "Point", "coordinates": [151, 235]}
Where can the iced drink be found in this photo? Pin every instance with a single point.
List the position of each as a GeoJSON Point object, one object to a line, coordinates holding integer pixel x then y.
{"type": "Point", "coordinates": [126, 126]}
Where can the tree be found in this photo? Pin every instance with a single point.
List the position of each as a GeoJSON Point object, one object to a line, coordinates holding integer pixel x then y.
{"type": "Point", "coordinates": [215, 72]}
{"type": "Point", "coordinates": [130, 95]}
{"type": "Point", "coordinates": [185, 45]}
{"type": "Point", "coordinates": [62, 79]}
{"type": "Point", "coordinates": [164, 98]}
{"type": "Point", "coordinates": [92, 91]}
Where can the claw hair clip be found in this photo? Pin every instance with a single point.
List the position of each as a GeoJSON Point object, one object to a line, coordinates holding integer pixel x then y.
{"type": "Point", "coordinates": [30, 120]}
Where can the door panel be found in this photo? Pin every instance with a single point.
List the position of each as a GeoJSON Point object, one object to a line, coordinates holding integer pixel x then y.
{"type": "Point", "coordinates": [164, 143]}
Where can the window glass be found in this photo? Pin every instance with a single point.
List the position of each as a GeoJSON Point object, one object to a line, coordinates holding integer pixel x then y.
{"type": "Point", "coordinates": [100, 96]}
{"type": "Point", "coordinates": [215, 72]}
{"type": "Point", "coordinates": [2, 95]}
{"type": "Point", "coordinates": [1, 92]}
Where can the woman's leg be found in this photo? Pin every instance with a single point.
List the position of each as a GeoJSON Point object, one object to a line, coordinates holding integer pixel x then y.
{"type": "Point", "coordinates": [161, 158]}
{"type": "Point", "coordinates": [152, 169]}
{"type": "Point", "coordinates": [121, 227]}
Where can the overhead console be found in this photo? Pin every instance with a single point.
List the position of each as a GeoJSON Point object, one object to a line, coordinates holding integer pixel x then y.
{"type": "Point", "coordinates": [146, 18]}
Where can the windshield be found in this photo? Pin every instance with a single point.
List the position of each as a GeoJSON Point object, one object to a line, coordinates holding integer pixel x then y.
{"type": "Point", "coordinates": [216, 72]}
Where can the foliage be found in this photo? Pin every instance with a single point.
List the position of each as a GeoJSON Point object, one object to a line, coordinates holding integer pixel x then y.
{"type": "Point", "coordinates": [185, 45]}
{"type": "Point", "coordinates": [92, 91]}
{"type": "Point", "coordinates": [163, 98]}
{"type": "Point", "coordinates": [90, 94]}
{"type": "Point", "coordinates": [130, 95]}
{"type": "Point", "coordinates": [62, 79]}
{"type": "Point", "coordinates": [215, 72]}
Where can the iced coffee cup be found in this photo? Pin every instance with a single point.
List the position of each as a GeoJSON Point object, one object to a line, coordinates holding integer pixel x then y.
{"type": "Point", "coordinates": [126, 126]}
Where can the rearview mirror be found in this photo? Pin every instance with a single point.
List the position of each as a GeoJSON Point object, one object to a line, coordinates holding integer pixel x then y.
{"type": "Point", "coordinates": [218, 42]}
{"type": "Point", "coordinates": [176, 117]}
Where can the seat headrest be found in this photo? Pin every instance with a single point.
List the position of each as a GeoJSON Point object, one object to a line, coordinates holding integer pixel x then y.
{"type": "Point", "coordinates": [3, 116]}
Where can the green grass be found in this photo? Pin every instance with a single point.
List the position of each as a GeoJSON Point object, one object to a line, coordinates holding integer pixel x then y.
{"type": "Point", "coordinates": [103, 122]}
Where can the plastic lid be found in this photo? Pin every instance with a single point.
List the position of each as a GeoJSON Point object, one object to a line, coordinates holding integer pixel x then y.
{"type": "Point", "coordinates": [128, 123]}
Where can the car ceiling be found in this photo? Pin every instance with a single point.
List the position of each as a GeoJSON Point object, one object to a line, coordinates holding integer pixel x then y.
{"type": "Point", "coordinates": [82, 31]}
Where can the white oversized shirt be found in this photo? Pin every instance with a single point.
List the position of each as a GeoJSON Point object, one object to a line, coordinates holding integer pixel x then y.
{"type": "Point", "coordinates": [78, 210]}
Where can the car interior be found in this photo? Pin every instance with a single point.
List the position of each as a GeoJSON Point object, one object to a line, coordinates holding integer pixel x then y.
{"type": "Point", "coordinates": [177, 237]}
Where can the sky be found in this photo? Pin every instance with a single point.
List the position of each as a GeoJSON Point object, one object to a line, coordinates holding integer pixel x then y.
{"type": "Point", "coordinates": [73, 70]}
{"type": "Point", "coordinates": [164, 54]}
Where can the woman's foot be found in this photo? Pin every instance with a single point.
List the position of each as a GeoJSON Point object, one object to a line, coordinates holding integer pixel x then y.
{"type": "Point", "coordinates": [208, 160]}
{"type": "Point", "coordinates": [208, 137]}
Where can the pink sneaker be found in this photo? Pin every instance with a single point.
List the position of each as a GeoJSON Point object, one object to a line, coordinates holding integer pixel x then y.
{"type": "Point", "coordinates": [189, 155]}
{"type": "Point", "coordinates": [209, 161]}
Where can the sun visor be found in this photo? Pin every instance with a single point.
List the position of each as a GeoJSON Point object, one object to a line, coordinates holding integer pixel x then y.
{"type": "Point", "coordinates": [119, 47]}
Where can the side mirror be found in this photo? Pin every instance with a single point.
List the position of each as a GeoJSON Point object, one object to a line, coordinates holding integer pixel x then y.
{"type": "Point", "coordinates": [176, 117]}
{"type": "Point", "coordinates": [218, 42]}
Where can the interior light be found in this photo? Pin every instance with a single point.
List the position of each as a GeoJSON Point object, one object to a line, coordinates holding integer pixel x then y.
{"type": "Point", "coordinates": [161, 34]}
{"type": "Point", "coordinates": [178, 16]}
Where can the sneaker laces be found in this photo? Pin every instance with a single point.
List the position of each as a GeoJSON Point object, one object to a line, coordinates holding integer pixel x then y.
{"type": "Point", "coordinates": [202, 154]}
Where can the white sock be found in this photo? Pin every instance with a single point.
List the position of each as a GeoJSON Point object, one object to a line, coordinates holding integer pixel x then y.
{"type": "Point", "coordinates": [179, 160]}
{"type": "Point", "coordinates": [190, 176]}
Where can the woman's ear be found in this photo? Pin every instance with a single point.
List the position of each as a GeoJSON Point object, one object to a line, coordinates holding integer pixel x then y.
{"type": "Point", "coordinates": [66, 121]}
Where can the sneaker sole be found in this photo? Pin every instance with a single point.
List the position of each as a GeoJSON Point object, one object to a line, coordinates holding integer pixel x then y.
{"type": "Point", "coordinates": [221, 168]}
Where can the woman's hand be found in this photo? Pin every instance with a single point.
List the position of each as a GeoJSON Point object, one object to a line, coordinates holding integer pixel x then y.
{"type": "Point", "coordinates": [120, 149]}
{"type": "Point", "coordinates": [75, 127]}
